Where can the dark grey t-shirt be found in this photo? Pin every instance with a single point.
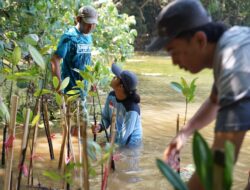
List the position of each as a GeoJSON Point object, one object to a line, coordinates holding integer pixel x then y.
{"type": "Point", "coordinates": [232, 66]}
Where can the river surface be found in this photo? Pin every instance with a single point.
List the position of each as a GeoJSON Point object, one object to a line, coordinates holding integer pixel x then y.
{"type": "Point", "coordinates": [159, 107]}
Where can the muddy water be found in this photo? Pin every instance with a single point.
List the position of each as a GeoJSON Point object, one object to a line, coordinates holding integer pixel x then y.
{"type": "Point", "coordinates": [160, 106]}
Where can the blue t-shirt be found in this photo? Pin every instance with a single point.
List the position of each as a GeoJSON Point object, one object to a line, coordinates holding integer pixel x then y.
{"type": "Point", "coordinates": [75, 50]}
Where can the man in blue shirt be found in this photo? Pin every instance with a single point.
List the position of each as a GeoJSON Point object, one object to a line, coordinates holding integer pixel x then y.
{"type": "Point", "coordinates": [75, 48]}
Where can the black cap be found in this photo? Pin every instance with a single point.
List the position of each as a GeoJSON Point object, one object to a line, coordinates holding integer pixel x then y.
{"type": "Point", "coordinates": [177, 17]}
{"type": "Point", "coordinates": [128, 78]}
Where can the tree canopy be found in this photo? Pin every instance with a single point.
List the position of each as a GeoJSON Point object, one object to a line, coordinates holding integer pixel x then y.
{"type": "Point", "coordinates": [232, 12]}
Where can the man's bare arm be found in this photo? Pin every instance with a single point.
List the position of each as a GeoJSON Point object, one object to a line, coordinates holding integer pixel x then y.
{"type": "Point", "coordinates": [55, 66]}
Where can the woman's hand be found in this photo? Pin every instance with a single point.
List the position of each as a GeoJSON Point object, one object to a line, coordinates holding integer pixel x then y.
{"type": "Point", "coordinates": [96, 128]}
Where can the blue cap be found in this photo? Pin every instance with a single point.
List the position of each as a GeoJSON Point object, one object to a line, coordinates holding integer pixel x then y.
{"type": "Point", "coordinates": [128, 78]}
{"type": "Point", "coordinates": [177, 17]}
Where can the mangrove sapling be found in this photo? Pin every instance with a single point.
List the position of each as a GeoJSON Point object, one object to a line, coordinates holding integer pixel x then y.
{"type": "Point", "coordinates": [177, 131]}
{"type": "Point", "coordinates": [4, 114]}
{"type": "Point", "coordinates": [5, 133]}
{"type": "Point", "coordinates": [98, 76]}
{"type": "Point", "coordinates": [70, 151]}
{"type": "Point", "coordinates": [61, 103]}
{"type": "Point", "coordinates": [39, 60]}
{"type": "Point", "coordinates": [108, 164]}
{"type": "Point", "coordinates": [47, 126]}
{"type": "Point", "coordinates": [14, 59]}
{"type": "Point", "coordinates": [10, 143]}
{"type": "Point", "coordinates": [28, 114]}
{"type": "Point", "coordinates": [85, 152]}
{"type": "Point", "coordinates": [94, 114]}
{"type": "Point", "coordinates": [188, 91]}
{"type": "Point", "coordinates": [21, 165]}
{"type": "Point", "coordinates": [79, 142]}
{"type": "Point", "coordinates": [70, 147]}
{"type": "Point", "coordinates": [35, 124]}
{"type": "Point", "coordinates": [105, 130]}
{"type": "Point", "coordinates": [65, 128]}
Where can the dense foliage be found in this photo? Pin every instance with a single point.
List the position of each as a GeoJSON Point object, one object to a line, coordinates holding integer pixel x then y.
{"type": "Point", "coordinates": [232, 12]}
{"type": "Point", "coordinates": [30, 31]}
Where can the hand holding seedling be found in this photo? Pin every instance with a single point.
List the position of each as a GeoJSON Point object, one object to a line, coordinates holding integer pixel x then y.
{"type": "Point", "coordinates": [175, 146]}
{"type": "Point", "coordinates": [96, 128]}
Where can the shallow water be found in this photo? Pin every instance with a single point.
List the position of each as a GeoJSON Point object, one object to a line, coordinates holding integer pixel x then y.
{"type": "Point", "coordinates": [159, 107]}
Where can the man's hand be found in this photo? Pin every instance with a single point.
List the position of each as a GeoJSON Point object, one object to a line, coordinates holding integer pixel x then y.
{"type": "Point", "coordinates": [55, 68]}
{"type": "Point", "coordinates": [174, 147]}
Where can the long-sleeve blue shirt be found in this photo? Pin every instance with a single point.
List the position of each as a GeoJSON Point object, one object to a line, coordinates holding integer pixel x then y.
{"type": "Point", "coordinates": [128, 120]}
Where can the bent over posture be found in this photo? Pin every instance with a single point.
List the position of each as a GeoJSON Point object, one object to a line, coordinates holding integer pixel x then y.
{"type": "Point", "coordinates": [195, 42]}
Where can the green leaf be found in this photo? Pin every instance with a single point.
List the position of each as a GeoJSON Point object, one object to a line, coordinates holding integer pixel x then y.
{"type": "Point", "coordinates": [104, 158]}
{"type": "Point", "coordinates": [92, 94]}
{"type": "Point", "coordinates": [192, 85]}
{"type": "Point", "coordinates": [185, 92]}
{"type": "Point", "coordinates": [89, 68]}
{"type": "Point", "coordinates": [70, 167]}
{"type": "Point", "coordinates": [97, 67]}
{"type": "Point", "coordinates": [184, 83]}
{"type": "Point", "coordinates": [79, 84]}
{"type": "Point", "coordinates": [64, 83]}
{"type": "Point", "coordinates": [45, 49]}
{"type": "Point", "coordinates": [41, 92]}
{"type": "Point", "coordinates": [30, 74]}
{"type": "Point", "coordinates": [190, 98]}
{"type": "Point", "coordinates": [73, 92]}
{"type": "Point", "coordinates": [22, 76]}
{"type": "Point", "coordinates": [176, 86]}
{"type": "Point", "coordinates": [55, 82]}
{"type": "Point", "coordinates": [92, 171]}
{"type": "Point", "coordinates": [86, 76]}
{"type": "Point", "coordinates": [35, 120]}
{"type": "Point", "coordinates": [203, 160]}
{"type": "Point", "coordinates": [22, 84]}
{"type": "Point", "coordinates": [37, 57]}
{"type": "Point", "coordinates": [229, 164]}
{"type": "Point", "coordinates": [31, 39]}
{"type": "Point", "coordinates": [73, 98]}
{"type": "Point", "coordinates": [58, 99]}
{"type": "Point", "coordinates": [172, 176]}
{"type": "Point", "coordinates": [16, 55]}
{"type": "Point", "coordinates": [52, 175]}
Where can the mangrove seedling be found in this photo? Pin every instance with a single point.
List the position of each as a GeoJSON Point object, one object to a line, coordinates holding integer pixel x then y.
{"type": "Point", "coordinates": [188, 91]}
